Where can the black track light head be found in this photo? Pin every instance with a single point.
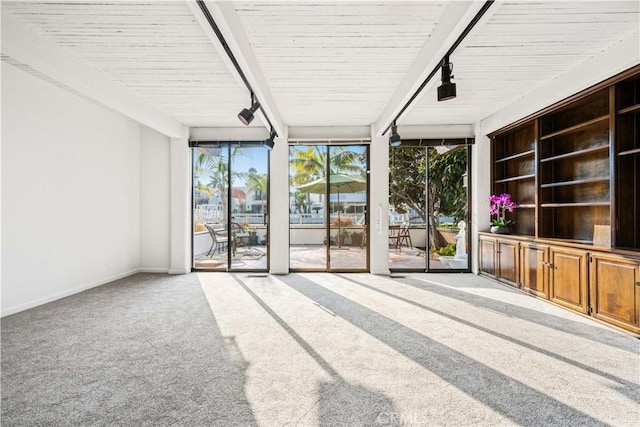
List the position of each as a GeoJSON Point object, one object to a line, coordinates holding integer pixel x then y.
{"type": "Point", "coordinates": [446, 90]}
{"type": "Point", "coordinates": [246, 115]}
{"type": "Point", "coordinates": [394, 139]}
{"type": "Point", "coordinates": [270, 143]}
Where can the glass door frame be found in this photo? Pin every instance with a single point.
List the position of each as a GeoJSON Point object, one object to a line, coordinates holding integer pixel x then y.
{"type": "Point", "coordinates": [432, 143]}
{"type": "Point", "coordinates": [327, 204]}
{"type": "Point", "coordinates": [428, 269]}
{"type": "Point", "coordinates": [329, 269]}
{"type": "Point", "coordinates": [229, 145]}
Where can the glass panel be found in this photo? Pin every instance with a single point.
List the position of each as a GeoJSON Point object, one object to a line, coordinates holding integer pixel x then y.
{"type": "Point", "coordinates": [447, 208]}
{"type": "Point", "coordinates": [249, 169]}
{"type": "Point", "coordinates": [407, 208]}
{"type": "Point", "coordinates": [347, 207]}
{"type": "Point", "coordinates": [210, 178]}
{"type": "Point", "coordinates": [307, 207]}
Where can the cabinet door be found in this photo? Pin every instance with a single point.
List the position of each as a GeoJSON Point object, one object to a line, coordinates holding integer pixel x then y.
{"type": "Point", "coordinates": [615, 290]}
{"type": "Point", "coordinates": [534, 259]}
{"type": "Point", "coordinates": [568, 273]}
{"type": "Point", "coordinates": [487, 256]}
{"type": "Point", "coordinates": [507, 255]}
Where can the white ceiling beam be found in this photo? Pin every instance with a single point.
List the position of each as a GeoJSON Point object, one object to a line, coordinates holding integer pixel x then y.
{"type": "Point", "coordinates": [228, 133]}
{"type": "Point", "coordinates": [225, 16]}
{"type": "Point", "coordinates": [329, 133]}
{"type": "Point", "coordinates": [452, 24]}
{"type": "Point", "coordinates": [436, 131]}
{"type": "Point", "coordinates": [44, 58]}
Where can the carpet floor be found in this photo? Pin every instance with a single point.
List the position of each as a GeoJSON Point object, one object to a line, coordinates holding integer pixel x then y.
{"type": "Point", "coordinates": [218, 349]}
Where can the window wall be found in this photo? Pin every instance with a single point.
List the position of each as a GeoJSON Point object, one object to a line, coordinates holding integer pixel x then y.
{"type": "Point", "coordinates": [429, 207]}
{"type": "Point", "coordinates": [328, 214]}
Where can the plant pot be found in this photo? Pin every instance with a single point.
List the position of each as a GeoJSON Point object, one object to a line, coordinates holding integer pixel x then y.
{"type": "Point", "coordinates": [500, 230]}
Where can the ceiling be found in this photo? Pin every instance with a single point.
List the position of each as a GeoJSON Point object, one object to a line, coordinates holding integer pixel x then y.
{"type": "Point", "coordinates": [313, 63]}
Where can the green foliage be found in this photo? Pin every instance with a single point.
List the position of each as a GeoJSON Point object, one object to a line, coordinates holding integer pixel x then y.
{"type": "Point", "coordinates": [408, 169]}
{"type": "Point", "coordinates": [449, 250]}
{"type": "Point", "coordinates": [442, 173]}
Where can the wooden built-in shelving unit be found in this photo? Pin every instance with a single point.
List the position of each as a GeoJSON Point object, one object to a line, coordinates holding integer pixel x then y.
{"type": "Point", "coordinates": [574, 171]}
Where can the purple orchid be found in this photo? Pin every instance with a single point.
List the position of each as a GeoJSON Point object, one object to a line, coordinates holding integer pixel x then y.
{"type": "Point", "coordinates": [498, 207]}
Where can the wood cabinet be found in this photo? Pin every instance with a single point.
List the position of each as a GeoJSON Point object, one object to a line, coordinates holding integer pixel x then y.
{"type": "Point", "coordinates": [615, 290]}
{"type": "Point", "coordinates": [487, 256]}
{"type": "Point", "coordinates": [499, 259]}
{"type": "Point", "coordinates": [573, 169]}
{"type": "Point", "coordinates": [568, 278]}
{"type": "Point", "coordinates": [605, 285]}
{"type": "Point", "coordinates": [534, 271]}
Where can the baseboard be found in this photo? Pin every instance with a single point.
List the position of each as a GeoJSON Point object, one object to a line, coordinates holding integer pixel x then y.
{"type": "Point", "coordinates": [66, 293]}
{"type": "Point", "coordinates": [177, 271]}
{"type": "Point", "coordinates": [153, 270]}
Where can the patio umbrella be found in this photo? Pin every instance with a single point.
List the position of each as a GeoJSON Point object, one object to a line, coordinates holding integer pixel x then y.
{"type": "Point", "coordinates": [337, 183]}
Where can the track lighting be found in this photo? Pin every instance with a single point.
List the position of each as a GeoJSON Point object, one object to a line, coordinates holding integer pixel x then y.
{"type": "Point", "coordinates": [446, 90]}
{"type": "Point", "coordinates": [269, 143]}
{"type": "Point", "coordinates": [394, 139]}
{"type": "Point", "coordinates": [246, 115]}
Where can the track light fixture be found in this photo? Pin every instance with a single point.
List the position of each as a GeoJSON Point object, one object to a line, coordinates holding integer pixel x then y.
{"type": "Point", "coordinates": [269, 143]}
{"type": "Point", "coordinates": [394, 139]}
{"type": "Point", "coordinates": [446, 90]}
{"type": "Point", "coordinates": [246, 115]}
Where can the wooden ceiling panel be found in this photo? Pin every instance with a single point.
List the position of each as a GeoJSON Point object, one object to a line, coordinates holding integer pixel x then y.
{"type": "Point", "coordinates": [155, 49]}
{"type": "Point", "coordinates": [336, 64]}
{"type": "Point", "coordinates": [521, 47]}
{"type": "Point", "coordinates": [329, 63]}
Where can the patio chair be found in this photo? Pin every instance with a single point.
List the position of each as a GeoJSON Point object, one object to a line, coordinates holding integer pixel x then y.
{"type": "Point", "coordinates": [404, 237]}
{"type": "Point", "coordinates": [219, 239]}
{"type": "Point", "coordinates": [240, 236]}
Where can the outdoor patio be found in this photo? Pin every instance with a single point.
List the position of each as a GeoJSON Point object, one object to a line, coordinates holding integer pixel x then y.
{"type": "Point", "coordinates": [313, 257]}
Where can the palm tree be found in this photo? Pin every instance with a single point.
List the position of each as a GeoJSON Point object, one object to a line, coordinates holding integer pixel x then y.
{"type": "Point", "coordinates": [310, 164]}
{"type": "Point", "coordinates": [257, 183]}
{"type": "Point", "coordinates": [211, 164]}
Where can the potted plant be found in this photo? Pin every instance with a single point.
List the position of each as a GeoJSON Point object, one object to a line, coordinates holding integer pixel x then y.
{"type": "Point", "coordinates": [341, 224]}
{"type": "Point", "coordinates": [356, 238]}
{"type": "Point", "coordinates": [499, 207]}
{"type": "Point", "coordinates": [342, 236]}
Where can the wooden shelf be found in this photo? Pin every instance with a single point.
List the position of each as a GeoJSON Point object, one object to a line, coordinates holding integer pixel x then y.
{"type": "Point", "coordinates": [573, 204]}
{"type": "Point", "coordinates": [515, 178]}
{"type": "Point", "coordinates": [631, 109]}
{"type": "Point", "coordinates": [575, 128]}
{"type": "Point", "coordinates": [574, 182]}
{"type": "Point", "coordinates": [515, 156]}
{"type": "Point", "coordinates": [525, 206]}
{"type": "Point", "coordinates": [629, 152]}
{"type": "Point", "coordinates": [575, 153]}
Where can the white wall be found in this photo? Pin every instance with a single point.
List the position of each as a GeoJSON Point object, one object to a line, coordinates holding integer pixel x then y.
{"type": "Point", "coordinates": [70, 193]}
{"type": "Point", "coordinates": [155, 181]}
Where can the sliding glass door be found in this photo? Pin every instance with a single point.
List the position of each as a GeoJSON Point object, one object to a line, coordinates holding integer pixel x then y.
{"type": "Point", "coordinates": [429, 207]}
{"type": "Point", "coordinates": [230, 208]}
{"type": "Point", "coordinates": [328, 207]}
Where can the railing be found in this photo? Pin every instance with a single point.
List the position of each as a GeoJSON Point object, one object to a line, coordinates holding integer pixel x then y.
{"type": "Point", "coordinates": [213, 213]}
{"type": "Point", "coordinates": [301, 219]}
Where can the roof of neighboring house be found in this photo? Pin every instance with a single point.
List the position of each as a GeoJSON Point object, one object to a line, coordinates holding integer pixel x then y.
{"type": "Point", "coordinates": [238, 194]}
